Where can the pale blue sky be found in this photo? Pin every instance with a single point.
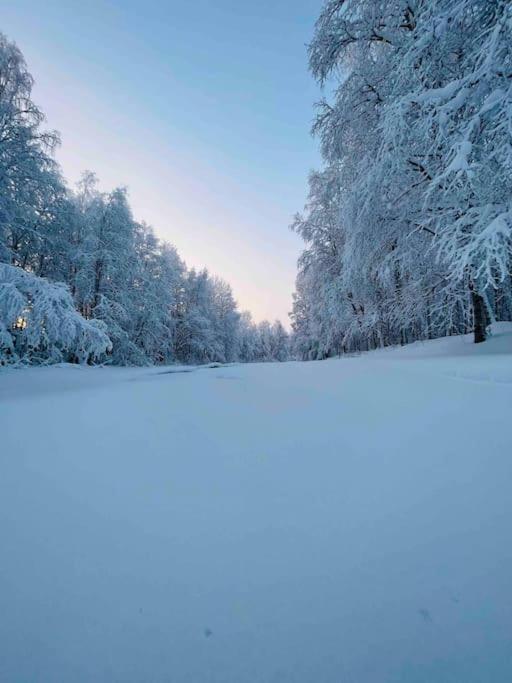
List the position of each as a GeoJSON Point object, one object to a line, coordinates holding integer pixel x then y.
{"type": "Point", "coordinates": [202, 108]}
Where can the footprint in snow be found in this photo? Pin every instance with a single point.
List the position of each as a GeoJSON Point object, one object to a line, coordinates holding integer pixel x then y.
{"type": "Point", "coordinates": [425, 614]}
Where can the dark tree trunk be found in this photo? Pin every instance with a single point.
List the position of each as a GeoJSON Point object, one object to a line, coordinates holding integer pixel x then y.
{"type": "Point", "coordinates": [479, 317]}
{"type": "Point", "coordinates": [98, 271]}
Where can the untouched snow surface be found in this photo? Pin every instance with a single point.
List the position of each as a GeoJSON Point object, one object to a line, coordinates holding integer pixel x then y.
{"type": "Point", "coordinates": [346, 521]}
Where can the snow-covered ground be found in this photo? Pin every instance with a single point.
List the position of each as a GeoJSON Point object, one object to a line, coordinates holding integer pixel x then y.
{"type": "Point", "coordinates": [346, 521]}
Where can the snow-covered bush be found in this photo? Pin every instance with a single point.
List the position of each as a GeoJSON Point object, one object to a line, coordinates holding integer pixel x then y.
{"type": "Point", "coordinates": [39, 323]}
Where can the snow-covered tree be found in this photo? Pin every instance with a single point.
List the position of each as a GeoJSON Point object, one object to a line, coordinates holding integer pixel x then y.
{"type": "Point", "coordinates": [407, 229]}
{"type": "Point", "coordinates": [156, 293]}
{"type": "Point", "coordinates": [454, 110]}
{"type": "Point", "coordinates": [39, 323]}
{"type": "Point", "coordinates": [208, 321]}
{"type": "Point", "coordinates": [81, 280]}
{"type": "Point", "coordinates": [30, 184]}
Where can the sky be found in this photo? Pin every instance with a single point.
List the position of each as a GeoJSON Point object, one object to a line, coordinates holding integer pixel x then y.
{"type": "Point", "coordinates": [201, 109]}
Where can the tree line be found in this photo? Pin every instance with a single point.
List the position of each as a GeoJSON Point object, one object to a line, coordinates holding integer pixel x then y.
{"type": "Point", "coordinates": [408, 225]}
{"type": "Point", "coordinates": [82, 281]}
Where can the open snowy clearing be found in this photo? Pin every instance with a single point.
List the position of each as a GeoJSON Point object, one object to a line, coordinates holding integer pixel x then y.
{"type": "Point", "coordinates": [324, 522]}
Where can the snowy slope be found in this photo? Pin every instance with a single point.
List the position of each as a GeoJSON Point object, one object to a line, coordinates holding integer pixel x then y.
{"type": "Point", "coordinates": [325, 522]}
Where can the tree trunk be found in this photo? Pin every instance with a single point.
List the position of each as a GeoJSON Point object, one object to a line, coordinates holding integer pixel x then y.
{"type": "Point", "coordinates": [479, 317]}
{"type": "Point", "coordinates": [98, 269]}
